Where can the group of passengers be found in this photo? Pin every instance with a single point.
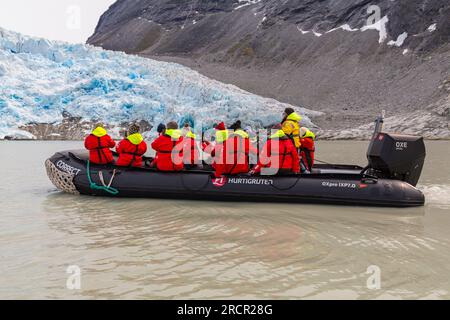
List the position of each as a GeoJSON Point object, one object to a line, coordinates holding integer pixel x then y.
{"type": "Point", "coordinates": [289, 149]}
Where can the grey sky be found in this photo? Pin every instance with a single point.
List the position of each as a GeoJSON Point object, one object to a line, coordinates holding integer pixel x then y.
{"type": "Point", "coordinates": [67, 20]}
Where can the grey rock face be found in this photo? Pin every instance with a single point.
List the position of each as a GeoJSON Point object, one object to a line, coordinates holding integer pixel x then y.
{"type": "Point", "coordinates": [205, 21]}
{"type": "Point", "coordinates": [273, 48]}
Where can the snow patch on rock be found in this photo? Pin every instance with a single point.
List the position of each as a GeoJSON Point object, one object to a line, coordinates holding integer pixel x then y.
{"type": "Point", "coordinates": [344, 27]}
{"type": "Point", "coordinates": [432, 28]}
{"type": "Point", "coordinates": [317, 34]}
{"type": "Point", "coordinates": [302, 31]}
{"type": "Point", "coordinates": [245, 3]}
{"type": "Point", "coordinates": [400, 40]}
{"type": "Point", "coordinates": [380, 26]}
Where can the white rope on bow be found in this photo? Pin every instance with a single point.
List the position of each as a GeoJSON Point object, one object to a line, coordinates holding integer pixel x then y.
{"type": "Point", "coordinates": [102, 180]}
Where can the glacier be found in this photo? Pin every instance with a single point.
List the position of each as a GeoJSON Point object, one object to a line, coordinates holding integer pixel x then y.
{"type": "Point", "coordinates": [40, 80]}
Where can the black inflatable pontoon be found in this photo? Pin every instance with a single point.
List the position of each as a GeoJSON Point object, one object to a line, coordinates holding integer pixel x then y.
{"type": "Point", "coordinates": [395, 165]}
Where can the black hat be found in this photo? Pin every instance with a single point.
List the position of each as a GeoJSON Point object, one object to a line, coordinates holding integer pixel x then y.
{"type": "Point", "coordinates": [161, 127]}
{"type": "Point", "coordinates": [289, 111]}
{"type": "Point", "coordinates": [237, 125]}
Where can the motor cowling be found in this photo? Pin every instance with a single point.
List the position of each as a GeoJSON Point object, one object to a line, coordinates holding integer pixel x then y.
{"type": "Point", "coordinates": [399, 157]}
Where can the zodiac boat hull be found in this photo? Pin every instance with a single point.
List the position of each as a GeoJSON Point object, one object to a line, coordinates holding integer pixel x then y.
{"type": "Point", "coordinates": [328, 184]}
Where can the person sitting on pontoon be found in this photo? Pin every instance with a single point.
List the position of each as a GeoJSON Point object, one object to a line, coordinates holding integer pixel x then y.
{"type": "Point", "coordinates": [99, 144]}
{"type": "Point", "coordinates": [279, 155]}
{"type": "Point", "coordinates": [132, 148]}
{"type": "Point", "coordinates": [307, 149]}
{"type": "Point", "coordinates": [169, 148]}
{"type": "Point", "coordinates": [191, 152]}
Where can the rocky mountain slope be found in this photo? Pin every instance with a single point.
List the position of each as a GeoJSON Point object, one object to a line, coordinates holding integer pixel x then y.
{"type": "Point", "coordinates": [348, 58]}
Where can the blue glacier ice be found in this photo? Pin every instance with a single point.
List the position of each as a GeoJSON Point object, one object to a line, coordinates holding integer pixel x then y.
{"type": "Point", "coordinates": [41, 79]}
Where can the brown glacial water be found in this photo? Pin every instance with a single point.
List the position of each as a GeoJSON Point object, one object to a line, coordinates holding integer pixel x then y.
{"type": "Point", "coordinates": [172, 249]}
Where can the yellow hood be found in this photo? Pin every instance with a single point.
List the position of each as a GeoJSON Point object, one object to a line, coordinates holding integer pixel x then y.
{"type": "Point", "coordinates": [191, 135]}
{"type": "Point", "coordinates": [221, 136]}
{"type": "Point", "coordinates": [306, 133]}
{"type": "Point", "coordinates": [174, 133]}
{"type": "Point", "coordinates": [99, 132]}
{"type": "Point", "coordinates": [135, 139]}
{"type": "Point", "coordinates": [295, 117]}
{"type": "Point", "coordinates": [242, 134]}
{"type": "Point", "coordinates": [279, 134]}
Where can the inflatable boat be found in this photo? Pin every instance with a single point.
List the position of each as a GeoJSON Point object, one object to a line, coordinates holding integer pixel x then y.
{"type": "Point", "coordinates": [389, 179]}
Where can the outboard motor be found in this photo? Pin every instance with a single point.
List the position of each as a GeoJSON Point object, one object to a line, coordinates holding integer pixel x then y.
{"type": "Point", "coordinates": [393, 156]}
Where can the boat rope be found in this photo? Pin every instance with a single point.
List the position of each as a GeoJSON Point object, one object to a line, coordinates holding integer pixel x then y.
{"type": "Point", "coordinates": [105, 187]}
{"type": "Point", "coordinates": [102, 180]}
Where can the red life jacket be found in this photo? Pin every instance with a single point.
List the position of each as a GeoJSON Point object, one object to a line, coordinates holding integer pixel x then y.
{"type": "Point", "coordinates": [131, 150]}
{"type": "Point", "coordinates": [169, 149]}
{"type": "Point", "coordinates": [307, 152]}
{"type": "Point", "coordinates": [99, 143]}
{"type": "Point", "coordinates": [191, 153]}
{"type": "Point", "coordinates": [279, 153]}
{"type": "Point", "coordinates": [232, 156]}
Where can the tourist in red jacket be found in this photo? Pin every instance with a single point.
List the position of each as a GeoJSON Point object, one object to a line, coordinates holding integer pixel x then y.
{"type": "Point", "coordinates": [131, 149]}
{"type": "Point", "coordinates": [308, 148]}
{"type": "Point", "coordinates": [99, 144]}
{"type": "Point", "coordinates": [169, 148]}
{"type": "Point", "coordinates": [279, 155]}
{"type": "Point", "coordinates": [232, 156]}
{"type": "Point", "coordinates": [215, 148]}
{"type": "Point", "coordinates": [191, 152]}
{"type": "Point", "coordinates": [220, 137]}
